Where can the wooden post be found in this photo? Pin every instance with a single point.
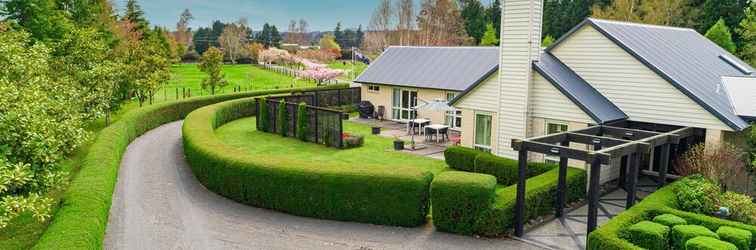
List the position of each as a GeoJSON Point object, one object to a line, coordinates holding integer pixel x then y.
{"type": "Point", "coordinates": [338, 96]}
{"type": "Point", "coordinates": [632, 180]}
{"type": "Point", "coordinates": [520, 205]}
{"type": "Point", "coordinates": [664, 164]}
{"type": "Point", "coordinates": [562, 183]}
{"type": "Point", "coordinates": [624, 162]}
{"type": "Point", "coordinates": [593, 194]}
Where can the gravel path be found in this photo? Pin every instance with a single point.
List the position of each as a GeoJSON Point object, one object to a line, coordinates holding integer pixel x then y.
{"type": "Point", "coordinates": [158, 204]}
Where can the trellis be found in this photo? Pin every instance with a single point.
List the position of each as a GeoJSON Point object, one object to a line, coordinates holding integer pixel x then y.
{"type": "Point", "coordinates": [607, 144]}
{"type": "Point", "coordinates": [324, 125]}
{"type": "Point", "coordinates": [325, 97]}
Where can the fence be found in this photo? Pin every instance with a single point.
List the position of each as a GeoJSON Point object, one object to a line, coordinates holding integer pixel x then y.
{"type": "Point", "coordinates": [325, 98]}
{"type": "Point", "coordinates": [291, 72]}
{"type": "Point", "coordinates": [324, 126]}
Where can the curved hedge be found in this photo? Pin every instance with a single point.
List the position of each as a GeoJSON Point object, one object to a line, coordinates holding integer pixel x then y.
{"type": "Point", "coordinates": [81, 220]}
{"type": "Point", "coordinates": [385, 194]}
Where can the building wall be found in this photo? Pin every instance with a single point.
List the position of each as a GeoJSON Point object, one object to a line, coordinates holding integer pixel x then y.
{"type": "Point", "coordinates": [468, 128]}
{"type": "Point", "coordinates": [546, 101]}
{"type": "Point", "coordinates": [641, 93]}
{"type": "Point", "coordinates": [484, 97]}
{"type": "Point", "coordinates": [384, 98]}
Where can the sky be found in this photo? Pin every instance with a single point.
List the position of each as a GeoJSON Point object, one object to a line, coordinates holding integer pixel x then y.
{"type": "Point", "coordinates": [322, 15]}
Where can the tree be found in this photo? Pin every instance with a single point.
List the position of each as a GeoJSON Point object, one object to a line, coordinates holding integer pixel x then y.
{"type": "Point", "coordinates": [338, 34]}
{"type": "Point", "coordinates": [302, 120]}
{"type": "Point", "coordinates": [405, 26]}
{"type": "Point", "coordinates": [664, 12]}
{"type": "Point", "coordinates": [747, 31]}
{"type": "Point", "coordinates": [135, 13]}
{"type": "Point", "coordinates": [547, 41]}
{"type": "Point", "coordinates": [493, 15]}
{"type": "Point", "coordinates": [474, 17]}
{"type": "Point", "coordinates": [264, 116]}
{"type": "Point", "coordinates": [441, 23]}
{"type": "Point", "coordinates": [234, 41]}
{"type": "Point", "coordinates": [720, 34]}
{"type": "Point", "coordinates": [731, 11]}
{"type": "Point", "coordinates": [282, 119]}
{"type": "Point", "coordinates": [41, 18]}
{"type": "Point", "coordinates": [269, 36]}
{"type": "Point", "coordinates": [489, 38]}
{"type": "Point", "coordinates": [328, 42]}
{"type": "Point", "coordinates": [254, 51]}
{"type": "Point", "coordinates": [211, 64]}
{"type": "Point", "coordinates": [380, 24]}
{"type": "Point", "coordinates": [622, 10]}
{"type": "Point", "coordinates": [183, 33]}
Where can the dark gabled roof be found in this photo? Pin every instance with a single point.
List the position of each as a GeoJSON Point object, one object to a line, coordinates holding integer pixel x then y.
{"type": "Point", "coordinates": [685, 58]}
{"type": "Point", "coordinates": [578, 90]}
{"type": "Point", "coordinates": [444, 68]}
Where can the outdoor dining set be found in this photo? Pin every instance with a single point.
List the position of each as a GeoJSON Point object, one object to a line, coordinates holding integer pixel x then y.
{"type": "Point", "coordinates": [437, 132]}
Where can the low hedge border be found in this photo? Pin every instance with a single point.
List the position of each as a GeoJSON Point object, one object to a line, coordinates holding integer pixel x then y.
{"type": "Point", "coordinates": [81, 220]}
{"type": "Point", "coordinates": [476, 161]}
{"type": "Point", "coordinates": [611, 235]}
{"type": "Point", "coordinates": [378, 194]}
{"type": "Point", "coordinates": [458, 206]}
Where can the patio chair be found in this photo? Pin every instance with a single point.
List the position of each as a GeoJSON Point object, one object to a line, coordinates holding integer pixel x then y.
{"type": "Point", "coordinates": [444, 134]}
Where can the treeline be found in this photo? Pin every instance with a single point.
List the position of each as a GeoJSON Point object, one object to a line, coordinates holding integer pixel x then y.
{"type": "Point", "coordinates": [63, 65]}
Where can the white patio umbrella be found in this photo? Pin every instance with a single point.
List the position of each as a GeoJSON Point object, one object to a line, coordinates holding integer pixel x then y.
{"type": "Point", "coordinates": [437, 105]}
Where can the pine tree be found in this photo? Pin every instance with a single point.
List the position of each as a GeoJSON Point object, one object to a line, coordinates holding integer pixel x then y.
{"type": "Point", "coordinates": [720, 34]}
{"type": "Point", "coordinates": [489, 38]}
{"type": "Point", "coordinates": [747, 32]}
{"type": "Point", "coordinates": [493, 16]}
{"type": "Point", "coordinates": [135, 14]}
{"type": "Point", "coordinates": [474, 15]}
{"type": "Point", "coordinates": [339, 35]}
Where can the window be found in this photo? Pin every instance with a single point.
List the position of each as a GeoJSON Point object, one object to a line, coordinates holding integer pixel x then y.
{"type": "Point", "coordinates": [553, 128]}
{"type": "Point", "coordinates": [483, 132]}
{"type": "Point", "coordinates": [453, 118]}
{"type": "Point", "coordinates": [374, 89]}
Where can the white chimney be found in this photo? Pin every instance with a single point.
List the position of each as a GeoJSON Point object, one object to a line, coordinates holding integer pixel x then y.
{"type": "Point", "coordinates": [520, 46]}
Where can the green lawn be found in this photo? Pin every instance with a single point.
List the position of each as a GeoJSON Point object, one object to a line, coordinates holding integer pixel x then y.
{"type": "Point", "coordinates": [346, 65]}
{"type": "Point", "coordinates": [376, 151]}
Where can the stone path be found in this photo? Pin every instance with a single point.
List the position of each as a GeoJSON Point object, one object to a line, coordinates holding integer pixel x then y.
{"type": "Point", "coordinates": [158, 204]}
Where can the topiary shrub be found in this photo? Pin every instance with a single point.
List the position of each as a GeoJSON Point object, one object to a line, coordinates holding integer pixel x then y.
{"type": "Point", "coordinates": [282, 120]}
{"type": "Point", "coordinates": [683, 233]}
{"type": "Point", "coordinates": [738, 237]}
{"type": "Point", "coordinates": [302, 120]}
{"type": "Point", "coordinates": [459, 198]}
{"type": "Point", "coordinates": [649, 235]}
{"type": "Point", "coordinates": [461, 158]}
{"type": "Point", "coordinates": [670, 220]}
{"type": "Point", "coordinates": [696, 194]}
{"type": "Point", "coordinates": [708, 243]}
{"type": "Point", "coordinates": [506, 170]}
{"type": "Point", "coordinates": [264, 116]}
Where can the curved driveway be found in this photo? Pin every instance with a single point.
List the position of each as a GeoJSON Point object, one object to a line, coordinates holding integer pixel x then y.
{"type": "Point", "coordinates": [158, 204]}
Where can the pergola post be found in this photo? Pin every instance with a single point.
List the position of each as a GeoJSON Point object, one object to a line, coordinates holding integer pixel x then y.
{"type": "Point", "coordinates": [593, 194]}
{"type": "Point", "coordinates": [664, 164]}
{"type": "Point", "coordinates": [562, 183]}
{"type": "Point", "coordinates": [624, 162]}
{"type": "Point", "coordinates": [520, 205]}
{"type": "Point", "coordinates": [633, 180]}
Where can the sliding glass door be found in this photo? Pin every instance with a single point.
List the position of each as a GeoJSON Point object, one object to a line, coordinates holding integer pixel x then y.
{"type": "Point", "coordinates": [403, 102]}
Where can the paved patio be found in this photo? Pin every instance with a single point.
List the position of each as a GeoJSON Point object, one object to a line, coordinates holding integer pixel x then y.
{"type": "Point", "coordinates": [392, 129]}
{"type": "Point", "coordinates": [569, 232]}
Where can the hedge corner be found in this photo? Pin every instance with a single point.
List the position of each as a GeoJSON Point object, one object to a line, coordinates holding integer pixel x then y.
{"type": "Point", "coordinates": [649, 235]}
{"type": "Point", "coordinates": [708, 243]}
{"type": "Point", "coordinates": [670, 220]}
{"type": "Point", "coordinates": [461, 158]}
{"type": "Point", "coordinates": [458, 200]}
{"type": "Point", "coordinates": [739, 237]}
{"type": "Point", "coordinates": [682, 233]}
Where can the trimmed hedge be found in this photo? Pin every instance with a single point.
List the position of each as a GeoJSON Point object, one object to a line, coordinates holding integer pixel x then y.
{"type": "Point", "coordinates": [708, 243]}
{"type": "Point", "coordinates": [81, 220]}
{"type": "Point", "coordinates": [505, 170]}
{"type": "Point", "coordinates": [682, 233]}
{"type": "Point", "coordinates": [611, 235]}
{"type": "Point", "coordinates": [649, 235]}
{"type": "Point", "coordinates": [378, 194]}
{"type": "Point", "coordinates": [462, 158]}
{"type": "Point", "coordinates": [670, 220]}
{"type": "Point", "coordinates": [738, 237]}
{"type": "Point", "coordinates": [498, 216]}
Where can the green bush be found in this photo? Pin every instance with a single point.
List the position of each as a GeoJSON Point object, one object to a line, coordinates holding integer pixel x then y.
{"type": "Point", "coordinates": [282, 119]}
{"type": "Point", "coordinates": [739, 237]}
{"type": "Point", "coordinates": [81, 220]}
{"type": "Point", "coordinates": [461, 158]}
{"type": "Point", "coordinates": [458, 198]}
{"type": "Point", "coordinates": [263, 117]}
{"type": "Point", "coordinates": [387, 195]}
{"type": "Point", "coordinates": [302, 121]}
{"type": "Point", "coordinates": [506, 170]}
{"type": "Point", "coordinates": [682, 233]}
{"type": "Point", "coordinates": [698, 195]}
{"type": "Point", "coordinates": [741, 207]}
{"type": "Point", "coordinates": [649, 235]}
{"type": "Point", "coordinates": [708, 243]}
{"type": "Point", "coordinates": [670, 220]}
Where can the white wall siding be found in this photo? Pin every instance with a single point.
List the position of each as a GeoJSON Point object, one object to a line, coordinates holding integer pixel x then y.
{"type": "Point", "coordinates": [637, 90]}
{"type": "Point", "coordinates": [546, 101]}
{"type": "Point", "coordinates": [484, 97]}
{"type": "Point", "coordinates": [520, 45]}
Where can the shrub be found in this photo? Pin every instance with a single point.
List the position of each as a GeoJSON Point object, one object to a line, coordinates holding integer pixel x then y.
{"type": "Point", "coordinates": [682, 233]}
{"type": "Point", "coordinates": [506, 170]}
{"type": "Point", "coordinates": [649, 235]}
{"type": "Point", "coordinates": [739, 237]}
{"type": "Point", "coordinates": [302, 120]}
{"type": "Point", "coordinates": [263, 117]}
{"type": "Point", "coordinates": [378, 194]}
{"type": "Point", "coordinates": [461, 158]}
{"type": "Point", "coordinates": [741, 207]}
{"type": "Point", "coordinates": [670, 220]}
{"type": "Point", "coordinates": [696, 194]}
{"type": "Point", "coordinates": [353, 141]}
{"type": "Point", "coordinates": [282, 119]}
{"type": "Point", "coordinates": [718, 164]}
{"type": "Point", "coordinates": [708, 243]}
{"type": "Point", "coordinates": [458, 198]}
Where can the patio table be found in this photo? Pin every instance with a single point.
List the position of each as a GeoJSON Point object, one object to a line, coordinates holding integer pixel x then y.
{"type": "Point", "coordinates": [437, 128]}
{"type": "Point", "coordinates": [420, 122]}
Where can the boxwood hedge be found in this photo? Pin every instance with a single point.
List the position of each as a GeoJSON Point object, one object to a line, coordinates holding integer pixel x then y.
{"type": "Point", "coordinates": [384, 194]}
{"type": "Point", "coordinates": [81, 220]}
{"type": "Point", "coordinates": [505, 170]}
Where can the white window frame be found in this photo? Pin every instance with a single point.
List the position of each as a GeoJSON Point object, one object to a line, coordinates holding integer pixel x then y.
{"type": "Point", "coordinates": [487, 148]}
{"type": "Point", "coordinates": [411, 112]}
{"type": "Point", "coordinates": [374, 89]}
{"type": "Point", "coordinates": [454, 116]}
{"type": "Point", "coordinates": [548, 158]}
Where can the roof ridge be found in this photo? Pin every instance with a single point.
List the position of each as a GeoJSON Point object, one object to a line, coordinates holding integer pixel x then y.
{"type": "Point", "coordinates": [640, 24]}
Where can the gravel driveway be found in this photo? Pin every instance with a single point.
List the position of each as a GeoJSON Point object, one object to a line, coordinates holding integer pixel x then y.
{"type": "Point", "coordinates": [158, 204]}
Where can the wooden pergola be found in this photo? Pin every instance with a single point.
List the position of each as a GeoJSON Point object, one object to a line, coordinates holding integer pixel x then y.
{"type": "Point", "coordinates": [607, 145]}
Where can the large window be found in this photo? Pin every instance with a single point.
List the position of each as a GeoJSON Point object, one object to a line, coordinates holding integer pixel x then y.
{"type": "Point", "coordinates": [453, 118]}
{"type": "Point", "coordinates": [553, 127]}
{"type": "Point", "coordinates": [483, 129]}
{"type": "Point", "coordinates": [404, 100]}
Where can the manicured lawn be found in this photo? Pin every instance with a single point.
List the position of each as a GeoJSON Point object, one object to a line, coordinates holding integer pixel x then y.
{"type": "Point", "coordinates": [376, 151]}
{"type": "Point", "coordinates": [346, 65]}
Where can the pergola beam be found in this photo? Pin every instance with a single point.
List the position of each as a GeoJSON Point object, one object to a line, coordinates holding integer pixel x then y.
{"type": "Point", "coordinates": [558, 150]}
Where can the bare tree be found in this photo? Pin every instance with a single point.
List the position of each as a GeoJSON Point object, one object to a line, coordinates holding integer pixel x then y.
{"type": "Point", "coordinates": [380, 24]}
{"type": "Point", "coordinates": [303, 30]}
{"type": "Point", "coordinates": [234, 40]}
{"type": "Point", "coordinates": [406, 13]}
{"type": "Point", "coordinates": [183, 35]}
{"type": "Point", "coordinates": [441, 24]}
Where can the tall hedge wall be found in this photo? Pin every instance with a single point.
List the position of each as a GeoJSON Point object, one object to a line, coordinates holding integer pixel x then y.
{"type": "Point", "coordinates": [81, 220]}
{"type": "Point", "coordinates": [385, 194]}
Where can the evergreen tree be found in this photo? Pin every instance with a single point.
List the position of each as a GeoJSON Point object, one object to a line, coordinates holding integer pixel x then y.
{"type": "Point", "coordinates": [747, 32]}
{"type": "Point", "coordinates": [360, 37]}
{"type": "Point", "coordinates": [41, 18]}
{"type": "Point", "coordinates": [135, 14]}
{"type": "Point", "coordinates": [731, 11]}
{"type": "Point", "coordinates": [339, 35]}
{"type": "Point", "coordinates": [493, 16]}
{"type": "Point", "coordinates": [474, 15]}
{"type": "Point", "coordinates": [275, 36]}
{"type": "Point", "coordinates": [547, 41]}
{"type": "Point", "coordinates": [202, 39]}
{"type": "Point", "coordinates": [489, 38]}
{"type": "Point", "coordinates": [720, 34]}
